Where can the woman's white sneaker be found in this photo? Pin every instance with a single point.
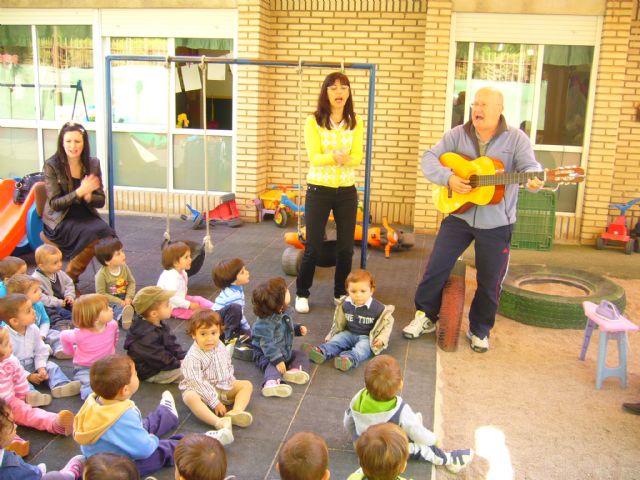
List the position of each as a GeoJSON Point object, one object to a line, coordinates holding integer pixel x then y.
{"type": "Point", "coordinates": [302, 305]}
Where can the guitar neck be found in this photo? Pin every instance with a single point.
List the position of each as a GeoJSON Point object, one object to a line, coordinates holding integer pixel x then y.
{"type": "Point", "coordinates": [506, 178]}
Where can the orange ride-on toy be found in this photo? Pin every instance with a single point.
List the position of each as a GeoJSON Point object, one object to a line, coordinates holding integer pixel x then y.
{"type": "Point", "coordinates": [383, 236]}
{"type": "Point", "coordinates": [618, 231]}
{"type": "Point", "coordinates": [278, 201]}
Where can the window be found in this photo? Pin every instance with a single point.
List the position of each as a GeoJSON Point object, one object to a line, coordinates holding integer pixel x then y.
{"type": "Point", "coordinates": [559, 88]}
{"type": "Point", "coordinates": [17, 98]}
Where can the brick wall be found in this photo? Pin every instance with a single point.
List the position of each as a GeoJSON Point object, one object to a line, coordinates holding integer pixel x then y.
{"type": "Point", "coordinates": [610, 129]}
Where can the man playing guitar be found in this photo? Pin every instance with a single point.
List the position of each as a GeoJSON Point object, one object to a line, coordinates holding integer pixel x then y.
{"type": "Point", "coordinates": [490, 226]}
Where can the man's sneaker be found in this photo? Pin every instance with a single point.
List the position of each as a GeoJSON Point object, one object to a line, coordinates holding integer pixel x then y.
{"type": "Point", "coordinates": [296, 375]}
{"type": "Point", "coordinates": [241, 419]}
{"type": "Point", "coordinates": [418, 326]}
{"type": "Point", "coordinates": [37, 399]}
{"type": "Point", "coordinates": [315, 354]}
{"type": "Point", "coordinates": [274, 389]}
{"type": "Point", "coordinates": [478, 345]}
{"type": "Point", "coordinates": [70, 389]}
{"type": "Point", "coordinates": [336, 301]}
{"type": "Point", "coordinates": [343, 363]}
{"type": "Point", "coordinates": [458, 459]}
{"type": "Point", "coordinates": [302, 305]}
{"type": "Point", "coordinates": [127, 317]}
{"type": "Point", "coordinates": [168, 402]}
{"type": "Point", "coordinates": [75, 466]}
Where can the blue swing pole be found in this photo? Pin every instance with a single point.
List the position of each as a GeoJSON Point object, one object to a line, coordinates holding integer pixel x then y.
{"type": "Point", "coordinates": [244, 61]}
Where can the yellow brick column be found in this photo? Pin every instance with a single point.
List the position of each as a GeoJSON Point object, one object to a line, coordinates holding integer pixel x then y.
{"type": "Point", "coordinates": [434, 101]}
{"type": "Point", "coordinates": [252, 156]}
{"type": "Point", "coordinates": [600, 181]}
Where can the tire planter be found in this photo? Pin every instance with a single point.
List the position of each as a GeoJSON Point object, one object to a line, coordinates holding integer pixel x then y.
{"type": "Point", "coordinates": [291, 260]}
{"type": "Point", "coordinates": [452, 308]}
{"type": "Point", "coordinates": [554, 311]}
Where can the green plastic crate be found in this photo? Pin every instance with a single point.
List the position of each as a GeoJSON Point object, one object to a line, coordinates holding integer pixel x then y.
{"type": "Point", "coordinates": [536, 220]}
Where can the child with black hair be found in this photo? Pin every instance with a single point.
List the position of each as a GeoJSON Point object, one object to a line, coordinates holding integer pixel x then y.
{"type": "Point", "coordinates": [304, 457]}
{"type": "Point", "coordinates": [12, 467]}
{"type": "Point", "coordinates": [230, 276]}
{"type": "Point", "coordinates": [272, 341]}
{"type": "Point", "coordinates": [115, 280]}
{"type": "Point", "coordinates": [379, 402]}
{"type": "Point", "coordinates": [9, 266]}
{"type": "Point", "coordinates": [200, 457]}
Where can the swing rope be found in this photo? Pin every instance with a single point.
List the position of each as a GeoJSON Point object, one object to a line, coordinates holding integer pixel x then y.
{"type": "Point", "coordinates": [167, 231]}
{"type": "Point", "coordinates": [206, 241]}
{"type": "Point", "coordinates": [298, 200]}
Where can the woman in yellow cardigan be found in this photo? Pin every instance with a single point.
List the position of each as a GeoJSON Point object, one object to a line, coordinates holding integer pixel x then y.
{"type": "Point", "coordinates": [333, 137]}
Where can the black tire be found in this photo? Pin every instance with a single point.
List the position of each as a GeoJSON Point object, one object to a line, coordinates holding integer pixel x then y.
{"type": "Point", "coordinates": [628, 247]}
{"type": "Point", "coordinates": [554, 311]}
{"type": "Point", "coordinates": [408, 240]}
{"type": "Point", "coordinates": [600, 243]}
{"type": "Point", "coordinates": [291, 260]}
{"type": "Point", "coordinates": [280, 217]}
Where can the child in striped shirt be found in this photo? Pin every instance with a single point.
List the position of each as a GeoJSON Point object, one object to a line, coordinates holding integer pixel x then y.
{"type": "Point", "coordinates": [209, 385]}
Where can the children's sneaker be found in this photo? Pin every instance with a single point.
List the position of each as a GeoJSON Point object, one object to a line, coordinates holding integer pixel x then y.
{"type": "Point", "coordinates": [224, 435]}
{"type": "Point", "coordinates": [418, 326]}
{"type": "Point", "coordinates": [276, 389]}
{"type": "Point", "coordinates": [295, 375]}
{"type": "Point", "coordinates": [168, 402]}
{"type": "Point", "coordinates": [19, 446]}
{"type": "Point", "coordinates": [241, 419]}
{"type": "Point", "coordinates": [458, 459]}
{"type": "Point", "coordinates": [70, 389]}
{"type": "Point", "coordinates": [343, 363]}
{"type": "Point", "coordinates": [75, 466]}
{"type": "Point", "coordinates": [37, 399]}
{"type": "Point", "coordinates": [315, 354]}
{"type": "Point", "coordinates": [478, 345]}
{"type": "Point", "coordinates": [302, 305]}
{"type": "Point", "coordinates": [64, 422]}
{"type": "Point", "coordinates": [61, 355]}
{"type": "Point", "coordinates": [127, 317]}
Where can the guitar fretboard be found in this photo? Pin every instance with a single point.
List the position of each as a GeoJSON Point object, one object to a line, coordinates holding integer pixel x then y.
{"type": "Point", "coordinates": [504, 178]}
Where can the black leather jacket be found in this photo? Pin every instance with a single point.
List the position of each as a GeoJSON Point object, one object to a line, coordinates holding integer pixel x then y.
{"type": "Point", "coordinates": [61, 194]}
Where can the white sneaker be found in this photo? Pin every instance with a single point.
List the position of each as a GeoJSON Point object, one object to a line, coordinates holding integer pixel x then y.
{"type": "Point", "coordinates": [478, 345]}
{"type": "Point", "coordinates": [37, 399]}
{"type": "Point", "coordinates": [224, 435]}
{"type": "Point", "coordinates": [168, 401]}
{"type": "Point", "coordinates": [302, 305]}
{"type": "Point", "coordinates": [458, 459]}
{"type": "Point", "coordinates": [418, 326]}
{"type": "Point", "coordinates": [127, 317]}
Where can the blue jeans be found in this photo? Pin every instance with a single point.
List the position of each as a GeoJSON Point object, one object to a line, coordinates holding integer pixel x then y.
{"type": "Point", "coordinates": [56, 375]}
{"type": "Point", "coordinates": [346, 344]}
{"type": "Point", "coordinates": [81, 373]}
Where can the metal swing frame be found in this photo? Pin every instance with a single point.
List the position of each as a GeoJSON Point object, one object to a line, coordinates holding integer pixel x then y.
{"type": "Point", "coordinates": [243, 61]}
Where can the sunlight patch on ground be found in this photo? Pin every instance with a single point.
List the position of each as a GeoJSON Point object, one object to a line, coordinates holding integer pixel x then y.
{"type": "Point", "coordinates": [490, 444]}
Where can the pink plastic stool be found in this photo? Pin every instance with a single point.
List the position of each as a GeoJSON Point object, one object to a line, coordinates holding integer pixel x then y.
{"type": "Point", "coordinates": [609, 330]}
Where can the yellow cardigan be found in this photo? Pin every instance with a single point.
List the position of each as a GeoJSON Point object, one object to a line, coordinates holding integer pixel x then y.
{"type": "Point", "coordinates": [321, 143]}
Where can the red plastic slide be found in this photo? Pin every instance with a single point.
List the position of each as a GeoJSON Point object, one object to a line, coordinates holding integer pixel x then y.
{"type": "Point", "coordinates": [13, 218]}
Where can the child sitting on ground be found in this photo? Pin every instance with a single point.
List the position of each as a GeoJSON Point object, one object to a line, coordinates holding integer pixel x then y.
{"type": "Point", "coordinates": [12, 467]}
{"type": "Point", "coordinates": [14, 389]}
{"type": "Point", "coordinates": [115, 280]}
{"type": "Point", "coordinates": [150, 343]}
{"type": "Point", "coordinates": [361, 326]}
{"type": "Point", "coordinates": [95, 336]}
{"type": "Point", "coordinates": [9, 266]}
{"type": "Point", "coordinates": [58, 290]}
{"type": "Point", "coordinates": [383, 451]}
{"type": "Point", "coordinates": [200, 457]}
{"type": "Point", "coordinates": [304, 457]}
{"type": "Point", "coordinates": [379, 402]}
{"type": "Point", "coordinates": [176, 260]}
{"type": "Point", "coordinates": [29, 286]}
{"type": "Point", "coordinates": [230, 276]}
{"type": "Point", "coordinates": [31, 351]}
{"type": "Point", "coordinates": [109, 466]}
{"type": "Point", "coordinates": [272, 340]}
{"type": "Point", "coordinates": [209, 384]}
{"type": "Point", "coordinates": [109, 420]}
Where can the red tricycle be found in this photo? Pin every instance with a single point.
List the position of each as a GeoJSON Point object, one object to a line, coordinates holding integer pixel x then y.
{"type": "Point", "coordinates": [618, 231]}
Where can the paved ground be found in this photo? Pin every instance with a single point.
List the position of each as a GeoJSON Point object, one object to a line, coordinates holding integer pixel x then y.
{"type": "Point", "coordinates": [318, 406]}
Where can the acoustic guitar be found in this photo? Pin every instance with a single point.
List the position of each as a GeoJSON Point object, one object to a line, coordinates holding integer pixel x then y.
{"type": "Point", "coordinates": [487, 179]}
